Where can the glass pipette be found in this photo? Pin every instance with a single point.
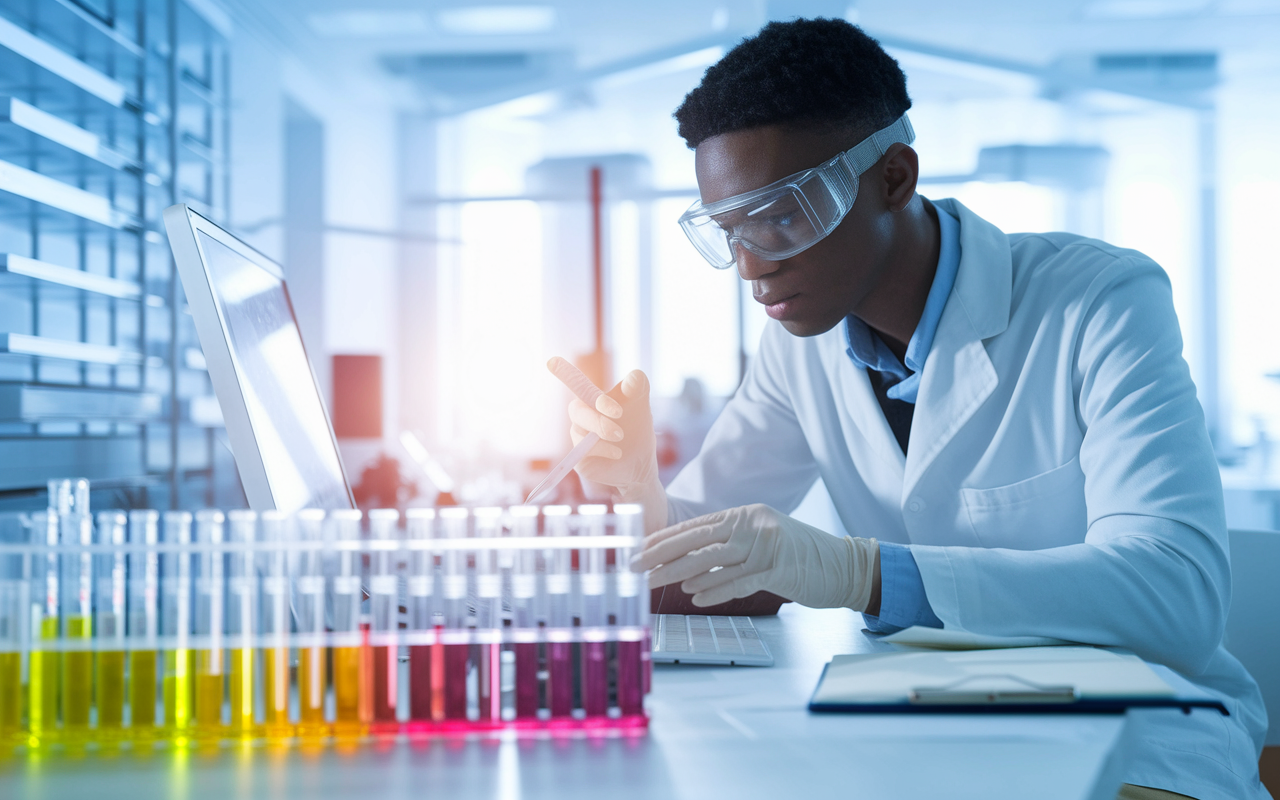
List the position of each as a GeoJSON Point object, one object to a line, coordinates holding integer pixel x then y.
{"type": "Point", "coordinates": [588, 393]}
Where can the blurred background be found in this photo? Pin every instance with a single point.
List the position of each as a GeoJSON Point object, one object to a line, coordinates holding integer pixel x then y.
{"type": "Point", "coordinates": [460, 190]}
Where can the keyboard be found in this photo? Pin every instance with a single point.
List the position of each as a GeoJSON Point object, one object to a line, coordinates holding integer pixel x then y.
{"type": "Point", "coordinates": [697, 639]}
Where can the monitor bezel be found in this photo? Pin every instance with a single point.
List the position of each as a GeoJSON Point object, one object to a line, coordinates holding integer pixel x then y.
{"type": "Point", "coordinates": [184, 226]}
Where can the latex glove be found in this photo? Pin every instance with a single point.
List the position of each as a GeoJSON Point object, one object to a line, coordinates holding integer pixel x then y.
{"type": "Point", "coordinates": [740, 551]}
{"type": "Point", "coordinates": [626, 457]}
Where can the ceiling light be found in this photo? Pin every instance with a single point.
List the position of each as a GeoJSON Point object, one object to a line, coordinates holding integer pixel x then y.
{"type": "Point", "coordinates": [368, 24]}
{"type": "Point", "coordinates": [492, 20]}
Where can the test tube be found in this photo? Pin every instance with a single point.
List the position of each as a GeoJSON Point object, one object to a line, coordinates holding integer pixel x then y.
{"type": "Point", "coordinates": [273, 621]}
{"type": "Point", "coordinates": [242, 621]}
{"type": "Point", "coordinates": [175, 625]}
{"type": "Point", "coordinates": [524, 588]}
{"type": "Point", "coordinates": [109, 624]}
{"type": "Point", "coordinates": [384, 607]}
{"type": "Point", "coordinates": [425, 699]}
{"type": "Point", "coordinates": [633, 653]}
{"type": "Point", "coordinates": [351, 680]}
{"type": "Point", "coordinates": [77, 624]}
{"type": "Point", "coordinates": [44, 666]}
{"type": "Point", "coordinates": [488, 647]}
{"type": "Point", "coordinates": [210, 620]}
{"type": "Point", "coordinates": [559, 623]}
{"type": "Point", "coordinates": [451, 630]}
{"type": "Point", "coordinates": [594, 666]}
{"type": "Point", "coordinates": [12, 609]}
{"type": "Point", "coordinates": [310, 610]}
{"type": "Point", "coordinates": [144, 622]}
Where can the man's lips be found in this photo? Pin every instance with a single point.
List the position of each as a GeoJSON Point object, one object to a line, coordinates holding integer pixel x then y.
{"type": "Point", "coordinates": [778, 305]}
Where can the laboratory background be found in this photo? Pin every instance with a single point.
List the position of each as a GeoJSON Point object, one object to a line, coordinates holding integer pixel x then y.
{"type": "Point", "coordinates": [459, 190]}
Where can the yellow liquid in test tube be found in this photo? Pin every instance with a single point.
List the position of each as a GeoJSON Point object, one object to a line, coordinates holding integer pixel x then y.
{"type": "Point", "coordinates": [142, 692]}
{"type": "Point", "coordinates": [346, 691]}
{"type": "Point", "coordinates": [210, 689]}
{"type": "Point", "coordinates": [10, 695]}
{"type": "Point", "coordinates": [275, 692]}
{"type": "Point", "coordinates": [110, 690]}
{"type": "Point", "coordinates": [241, 690]}
{"type": "Point", "coordinates": [311, 680]}
{"type": "Point", "coordinates": [179, 671]}
{"type": "Point", "coordinates": [77, 679]}
{"type": "Point", "coordinates": [42, 684]}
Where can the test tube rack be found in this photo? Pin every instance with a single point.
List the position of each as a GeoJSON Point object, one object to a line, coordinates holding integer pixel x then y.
{"type": "Point", "coordinates": [149, 627]}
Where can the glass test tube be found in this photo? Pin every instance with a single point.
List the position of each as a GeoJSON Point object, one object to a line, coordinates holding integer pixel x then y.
{"type": "Point", "coordinates": [426, 662]}
{"type": "Point", "coordinates": [633, 653]}
{"type": "Point", "coordinates": [210, 621]}
{"type": "Point", "coordinates": [273, 621]}
{"type": "Point", "coordinates": [144, 622]}
{"type": "Point", "coordinates": [351, 679]}
{"type": "Point", "coordinates": [76, 582]}
{"type": "Point", "coordinates": [559, 622]}
{"type": "Point", "coordinates": [524, 589]}
{"type": "Point", "coordinates": [242, 621]}
{"type": "Point", "coordinates": [175, 626]}
{"type": "Point", "coordinates": [310, 610]}
{"type": "Point", "coordinates": [12, 609]}
{"type": "Point", "coordinates": [109, 623]}
{"type": "Point", "coordinates": [486, 651]}
{"type": "Point", "coordinates": [594, 666]}
{"type": "Point", "coordinates": [452, 628]}
{"type": "Point", "coordinates": [44, 666]}
{"type": "Point", "coordinates": [384, 608]}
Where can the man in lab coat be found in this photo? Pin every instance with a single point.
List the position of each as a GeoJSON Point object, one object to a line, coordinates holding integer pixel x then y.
{"type": "Point", "coordinates": [1004, 422]}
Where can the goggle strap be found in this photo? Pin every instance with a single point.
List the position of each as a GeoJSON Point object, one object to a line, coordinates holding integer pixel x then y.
{"type": "Point", "coordinates": [865, 154]}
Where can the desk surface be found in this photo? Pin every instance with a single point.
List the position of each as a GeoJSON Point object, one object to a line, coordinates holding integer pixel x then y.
{"type": "Point", "coordinates": [740, 732]}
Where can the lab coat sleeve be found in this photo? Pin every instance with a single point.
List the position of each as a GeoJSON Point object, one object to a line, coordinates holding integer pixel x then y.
{"type": "Point", "coordinates": [1152, 574]}
{"type": "Point", "coordinates": [755, 451]}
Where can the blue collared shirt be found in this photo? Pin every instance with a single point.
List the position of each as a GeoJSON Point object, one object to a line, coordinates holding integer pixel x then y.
{"type": "Point", "coordinates": [903, 601]}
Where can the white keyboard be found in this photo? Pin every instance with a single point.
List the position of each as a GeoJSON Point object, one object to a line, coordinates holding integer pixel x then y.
{"type": "Point", "coordinates": [696, 639]}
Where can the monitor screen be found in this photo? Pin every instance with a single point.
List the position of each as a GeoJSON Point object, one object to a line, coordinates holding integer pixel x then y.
{"type": "Point", "coordinates": [280, 392]}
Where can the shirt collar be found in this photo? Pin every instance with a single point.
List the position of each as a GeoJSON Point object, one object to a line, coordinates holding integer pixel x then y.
{"type": "Point", "coordinates": [868, 351]}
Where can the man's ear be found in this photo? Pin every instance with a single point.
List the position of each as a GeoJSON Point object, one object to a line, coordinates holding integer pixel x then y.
{"type": "Point", "coordinates": [901, 169]}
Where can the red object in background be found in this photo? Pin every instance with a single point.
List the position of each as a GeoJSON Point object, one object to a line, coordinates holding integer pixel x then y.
{"type": "Point", "coordinates": [357, 397]}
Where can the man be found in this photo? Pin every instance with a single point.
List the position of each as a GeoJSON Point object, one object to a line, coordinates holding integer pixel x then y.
{"type": "Point", "coordinates": [1005, 422]}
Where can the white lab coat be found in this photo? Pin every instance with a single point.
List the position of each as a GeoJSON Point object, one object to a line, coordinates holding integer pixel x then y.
{"type": "Point", "coordinates": [1059, 480]}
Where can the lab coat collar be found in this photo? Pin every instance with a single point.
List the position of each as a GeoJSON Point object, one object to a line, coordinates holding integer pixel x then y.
{"type": "Point", "coordinates": [959, 376]}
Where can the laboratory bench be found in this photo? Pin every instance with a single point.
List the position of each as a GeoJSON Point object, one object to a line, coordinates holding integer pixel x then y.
{"type": "Point", "coordinates": [741, 732]}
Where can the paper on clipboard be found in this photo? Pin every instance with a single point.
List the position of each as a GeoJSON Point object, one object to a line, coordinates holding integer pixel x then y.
{"type": "Point", "coordinates": [944, 639]}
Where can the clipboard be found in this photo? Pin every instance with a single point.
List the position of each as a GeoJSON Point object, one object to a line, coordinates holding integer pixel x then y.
{"type": "Point", "coordinates": [1029, 680]}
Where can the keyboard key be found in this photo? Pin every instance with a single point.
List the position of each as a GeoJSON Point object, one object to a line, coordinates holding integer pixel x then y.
{"type": "Point", "coordinates": [726, 639]}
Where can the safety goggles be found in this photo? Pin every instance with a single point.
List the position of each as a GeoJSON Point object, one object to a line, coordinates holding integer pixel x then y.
{"type": "Point", "coordinates": [791, 215]}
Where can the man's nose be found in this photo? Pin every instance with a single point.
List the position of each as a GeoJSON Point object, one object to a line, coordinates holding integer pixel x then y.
{"type": "Point", "coordinates": [751, 266]}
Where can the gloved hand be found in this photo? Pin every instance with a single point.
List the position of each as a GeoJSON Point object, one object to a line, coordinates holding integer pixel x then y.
{"type": "Point", "coordinates": [740, 551]}
{"type": "Point", "coordinates": [626, 457]}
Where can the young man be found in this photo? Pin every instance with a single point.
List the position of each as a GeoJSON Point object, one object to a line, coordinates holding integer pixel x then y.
{"type": "Point", "coordinates": [1004, 422]}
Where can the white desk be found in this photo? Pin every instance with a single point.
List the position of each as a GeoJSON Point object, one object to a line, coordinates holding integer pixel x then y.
{"type": "Point", "coordinates": [738, 732]}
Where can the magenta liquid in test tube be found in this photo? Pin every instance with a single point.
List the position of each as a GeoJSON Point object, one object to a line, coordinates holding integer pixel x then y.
{"type": "Point", "coordinates": [488, 647]}
{"type": "Point", "coordinates": [632, 653]}
{"type": "Point", "coordinates": [419, 525]}
{"type": "Point", "coordinates": [591, 573]}
{"type": "Point", "coordinates": [524, 590]}
{"type": "Point", "coordinates": [455, 637]}
{"type": "Point", "coordinates": [559, 621]}
{"type": "Point", "coordinates": [383, 604]}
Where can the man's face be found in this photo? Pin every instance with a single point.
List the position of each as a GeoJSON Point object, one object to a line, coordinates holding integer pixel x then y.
{"type": "Point", "coordinates": [811, 292]}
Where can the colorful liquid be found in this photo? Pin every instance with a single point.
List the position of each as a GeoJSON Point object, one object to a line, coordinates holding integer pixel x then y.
{"type": "Point", "coordinates": [240, 690]}
{"type": "Point", "coordinates": [110, 690]}
{"type": "Point", "coordinates": [77, 679]}
{"type": "Point", "coordinates": [210, 692]}
{"type": "Point", "coordinates": [311, 685]}
{"type": "Point", "coordinates": [346, 691]}
{"type": "Point", "coordinates": [10, 694]}
{"type": "Point", "coordinates": [455, 680]}
{"type": "Point", "coordinates": [385, 668]}
{"type": "Point", "coordinates": [420, 695]}
{"type": "Point", "coordinates": [560, 678]}
{"type": "Point", "coordinates": [630, 681]}
{"type": "Point", "coordinates": [595, 679]}
{"type": "Point", "coordinates": [179, 683]}
{"type": "Point", "coordinates": [526, 680]}
{"type": "Point", "coordinates": [142, 692]}
{"type": "Point", "coordinates": [275, 692]}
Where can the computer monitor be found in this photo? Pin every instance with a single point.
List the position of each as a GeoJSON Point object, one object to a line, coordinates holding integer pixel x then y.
{"type": "Point", "coordinates": [280, 433]}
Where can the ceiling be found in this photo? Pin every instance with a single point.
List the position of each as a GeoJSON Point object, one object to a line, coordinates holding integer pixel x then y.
{"type": "Point", "coordinates": [446, 57]}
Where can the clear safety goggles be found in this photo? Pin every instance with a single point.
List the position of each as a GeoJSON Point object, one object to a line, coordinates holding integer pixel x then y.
{"type": "Point", "coordinates": [793, 214]}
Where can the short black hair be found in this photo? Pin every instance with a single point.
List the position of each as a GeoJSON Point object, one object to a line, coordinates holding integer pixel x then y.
{"type": "Point", "coordinates": [806, 72]}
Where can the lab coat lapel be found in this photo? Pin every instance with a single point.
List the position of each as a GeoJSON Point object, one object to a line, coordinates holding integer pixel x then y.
{"type": "Point", "coordinates": [958, 374]}
{"type": "Point", "coordinates": [864, 408]}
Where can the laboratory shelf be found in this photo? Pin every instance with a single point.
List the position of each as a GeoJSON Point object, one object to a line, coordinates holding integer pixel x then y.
{"type": "Point", "coordinates": [58, 62]}
{"type": "Point", "coordinates": [16, 268]}
{"type": "Point", "coordinates": [61, 197]}
{"type": "Point", "coordinates": [76, 23]}
{"type": "Point", "coordinates": [25, 345]}
{"type": "Point", "coordinates": [30, 461]}
{"type": "Point", "coordinates": [27, 133]}
{"type": "Point", "coordinates": [28, 402]}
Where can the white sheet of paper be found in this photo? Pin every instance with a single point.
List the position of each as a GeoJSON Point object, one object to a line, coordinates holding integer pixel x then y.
{"type": "Point", "coordinates": [943, 639]}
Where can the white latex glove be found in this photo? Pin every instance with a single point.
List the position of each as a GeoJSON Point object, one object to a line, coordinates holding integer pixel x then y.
{"type": "Point", "coordinates": [740, 551]}
{"type": "Point", "coordinates": [626, 457]}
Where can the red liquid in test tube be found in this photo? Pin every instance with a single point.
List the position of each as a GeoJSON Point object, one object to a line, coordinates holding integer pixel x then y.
{"type": "Point", "coordinates": [420, 525]}
{"type": "Point", "coordinates": [452, 638]}
{"type": "Point", "coordinates": [525, 605]}
{"type": "Point", "coordinates": [591, 560]}
{"type": "Point", "coordinates": [560, 625]}
{"type": "Point", "coordinates": [633, 656]}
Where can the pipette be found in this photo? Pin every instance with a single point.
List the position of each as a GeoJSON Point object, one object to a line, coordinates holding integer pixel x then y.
{"type": "Point", "coordinates": [588, 393]}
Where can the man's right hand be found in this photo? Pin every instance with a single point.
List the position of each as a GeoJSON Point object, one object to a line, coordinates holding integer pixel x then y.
{"type": "Point", "coordinates": [626, 457]}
